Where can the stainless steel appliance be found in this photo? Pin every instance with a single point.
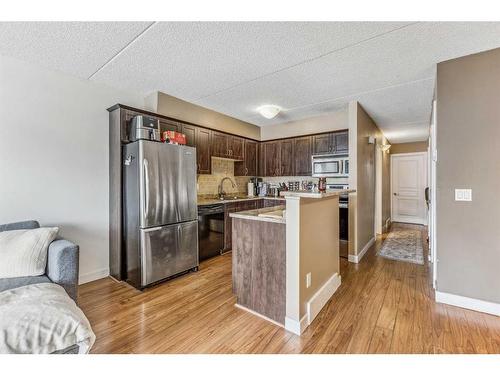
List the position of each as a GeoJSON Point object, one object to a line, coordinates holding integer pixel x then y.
{"type": "Point", "coordinates": [144, 127]}
{"type": "Point", "coordinates": [210, 230]}
{"type": "Point", "coordinates": [343, 218]}
{"type": "Point", "coordinates": [332, 165]}
{"type": "Point", "coordinates": [159, 212]}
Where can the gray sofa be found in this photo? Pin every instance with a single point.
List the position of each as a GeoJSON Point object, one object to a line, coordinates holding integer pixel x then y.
{"type": "Point", "coordinates": [62, 264]}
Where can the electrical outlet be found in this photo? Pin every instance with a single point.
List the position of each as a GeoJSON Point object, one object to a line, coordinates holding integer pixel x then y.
{"type": "Point", "coordinates": [308, 280]}
{"type": "Point", "coordinates": [463, 195]}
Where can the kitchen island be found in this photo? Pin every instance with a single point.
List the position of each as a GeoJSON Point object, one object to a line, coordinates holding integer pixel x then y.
{"type": "Point", "coordinates": [286, 268]}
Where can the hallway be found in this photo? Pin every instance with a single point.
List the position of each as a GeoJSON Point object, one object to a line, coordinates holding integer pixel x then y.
{"type": "Point", "coordinates": [382, 306]}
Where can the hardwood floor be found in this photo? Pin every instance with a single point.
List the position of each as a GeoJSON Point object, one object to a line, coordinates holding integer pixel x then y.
{"type": "Point", "coordinates": [382, 306]}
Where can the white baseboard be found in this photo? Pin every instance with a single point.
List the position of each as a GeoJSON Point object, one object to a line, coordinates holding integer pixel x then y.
{"type": "Point", "coordinates": [91, 276]}
{"type": "Point", "coordinates": [259, 315]}
{"type": "Point", "coordinates": [321, 297]}
{"type": "Point", "coordinates": [296, 327]}
{"type": "Point", "coordinates": [357, 258]}
{"type": "Point", "coordinates": [387, 225]}
{"type": "Point", "coordinates": [468, 303]}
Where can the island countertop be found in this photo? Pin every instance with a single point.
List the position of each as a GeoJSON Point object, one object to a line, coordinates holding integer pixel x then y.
{"type": "Point", "coordinates": [254, 214]}
{"type": "Point", "coordinates": [209, 200]}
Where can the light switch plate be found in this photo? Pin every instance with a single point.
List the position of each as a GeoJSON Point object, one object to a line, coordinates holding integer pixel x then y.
{"type": "Point", "coordinates": [464, 195]}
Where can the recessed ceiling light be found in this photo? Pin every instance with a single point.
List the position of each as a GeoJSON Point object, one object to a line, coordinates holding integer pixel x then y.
{"type": "Point", "coordinates": [269, 111]}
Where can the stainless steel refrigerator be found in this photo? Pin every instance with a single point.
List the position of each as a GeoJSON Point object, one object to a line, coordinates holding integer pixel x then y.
{"type": "Point", "coordinates": [160, 211]}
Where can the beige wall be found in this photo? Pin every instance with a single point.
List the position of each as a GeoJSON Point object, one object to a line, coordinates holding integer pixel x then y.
{"type": "Point", "coordinates": [362, 178]}
{"type": "Point", "coordinates": [319, 245]}
{"type": "Point", "coordinates": [468, 144]}
{"type": "Point", "coordinates": [179, 109]}
{"type": "Point", "coordinates": [54, 156]}
{"type": "Point", "coordinates": [404, 148]}
{"type": "Point", "coordinates": [386, 188]}
{"type": "Point", "coordinates": [333, 121]}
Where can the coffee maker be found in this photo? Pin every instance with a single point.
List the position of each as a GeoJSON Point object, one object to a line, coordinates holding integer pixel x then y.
{"type": "Point", "coordinates": [144, 127]}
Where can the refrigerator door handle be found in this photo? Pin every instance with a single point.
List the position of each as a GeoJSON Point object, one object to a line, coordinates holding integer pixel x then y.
{"type": "Point", "coordinates": [145, 209]}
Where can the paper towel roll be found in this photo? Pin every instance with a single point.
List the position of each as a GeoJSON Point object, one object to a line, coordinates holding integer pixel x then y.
{"type": "Point", "coordinates": [250, 189]}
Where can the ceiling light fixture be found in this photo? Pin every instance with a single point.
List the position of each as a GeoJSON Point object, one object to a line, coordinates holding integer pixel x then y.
{"type": "Point", "coordinates": [269, 111]}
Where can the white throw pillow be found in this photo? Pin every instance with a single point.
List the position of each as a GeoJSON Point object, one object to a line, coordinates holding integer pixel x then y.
{"type": "Point", "coordinates": [24, 252]}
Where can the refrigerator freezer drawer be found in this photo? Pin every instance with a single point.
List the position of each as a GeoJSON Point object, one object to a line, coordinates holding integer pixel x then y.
{"type": "Point", "coordinates": [168, 250]}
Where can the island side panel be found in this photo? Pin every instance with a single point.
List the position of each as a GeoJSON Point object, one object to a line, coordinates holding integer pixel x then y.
{"type": "Point", "coordinates": [259, 267]}
{"type": "Point", "coordinates": [243, 243]}
{"type": "Point", "coordinates": [269, 271]}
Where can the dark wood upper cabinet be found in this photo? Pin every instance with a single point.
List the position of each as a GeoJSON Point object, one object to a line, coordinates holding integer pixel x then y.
{"type": "Point", "coordinates": [247, 167]}
{"type": "Point", "coordinates": [251, 158]}
{"type": "Point", "coordinates": [190, 132]}
{"type": "Point", "coordinates": [287, 157]}
{"type": "Point", "coordinates": [322, 144]}
{"type": "Point", "coordinates": [303, 152]}
{"type": "Point", "coordinates": [169, 125]}
{"type": "Point", "coordinates": [331, 143]}
{"type": "Point", "coordinates": [236, 148]}
{"type": "Point", "coordinates": [220, 144]}
{"type": "Point", "coordinates": [203, 155]}
{"type": "Point", "coordinates": [261, 161]}
{"type": "Point", "coordinates": [341, 142]}
{"type": "Point", "coordinates": [272, 158]}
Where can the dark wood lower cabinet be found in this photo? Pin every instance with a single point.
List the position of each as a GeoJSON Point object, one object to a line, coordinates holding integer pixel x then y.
{"type": "Point", "coordinates": [272, 202]}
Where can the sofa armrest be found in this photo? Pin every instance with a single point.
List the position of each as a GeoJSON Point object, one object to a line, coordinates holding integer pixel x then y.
{"type": "Point", "coordinates": [62, 265]}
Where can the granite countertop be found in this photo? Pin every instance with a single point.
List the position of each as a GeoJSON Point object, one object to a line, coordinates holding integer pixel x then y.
{"type": "Point", "coordinates": [204, 200]}
{"type": "Point", "coordinates": [254, 214]}
{"type": "Point", "coordinates": [317, 195]}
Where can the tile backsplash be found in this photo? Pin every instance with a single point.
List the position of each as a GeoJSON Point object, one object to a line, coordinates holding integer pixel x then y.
{"type": "Point", "coordinates": [208, 184]}
{"type": "Point", "coordinates": [285, 179]}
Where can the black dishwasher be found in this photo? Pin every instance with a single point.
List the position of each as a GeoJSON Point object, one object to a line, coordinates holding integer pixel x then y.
{"type": "Point", "coordinates": [210, 230]}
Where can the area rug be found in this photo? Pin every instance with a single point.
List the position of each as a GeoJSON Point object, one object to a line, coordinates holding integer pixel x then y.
{"type": "Point", "coordinates": [404, 245]}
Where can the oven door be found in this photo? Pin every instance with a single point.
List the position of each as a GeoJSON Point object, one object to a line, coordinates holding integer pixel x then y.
{"type": "Point", "coordinates": [326, 167]}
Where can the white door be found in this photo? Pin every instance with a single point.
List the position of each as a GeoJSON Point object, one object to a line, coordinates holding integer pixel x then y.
{"type": "Point", "coordinates": [408, 183]}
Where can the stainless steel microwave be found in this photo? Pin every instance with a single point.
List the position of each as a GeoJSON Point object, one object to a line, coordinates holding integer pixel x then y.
{"type": "Point", "coordinates": [330, 165]}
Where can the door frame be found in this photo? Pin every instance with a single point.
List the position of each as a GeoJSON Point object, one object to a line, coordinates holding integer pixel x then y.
{"type": "Point", "coordinates": [433, 187]}
{"type": "Point", "coordinates": [424, 173]}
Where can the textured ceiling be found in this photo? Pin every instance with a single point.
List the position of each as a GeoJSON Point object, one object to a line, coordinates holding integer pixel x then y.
{"type": "Point", "coordinates": [307, 68]}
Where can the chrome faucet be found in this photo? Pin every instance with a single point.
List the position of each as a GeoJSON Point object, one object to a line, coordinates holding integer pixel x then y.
{"type": "Point", "coordinates": [221, 188]}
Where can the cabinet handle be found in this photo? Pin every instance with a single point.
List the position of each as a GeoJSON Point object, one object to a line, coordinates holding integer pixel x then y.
{"type": "Point", "coordinates": [246, 171]}
{"type": "Point", "coordinates": [199, 169]}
